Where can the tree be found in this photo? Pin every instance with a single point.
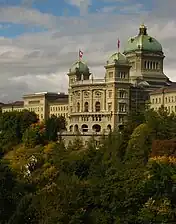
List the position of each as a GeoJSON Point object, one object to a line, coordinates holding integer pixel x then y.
{"type": "Point", "coordinates": [13, 125]}
{"type": "Point", "coordinates": [34, 135]}
{"type": "Point", "coordinates": [8, 196]}
{"type": "Point", "coordinates": [139, 145]}
{"type": "Point", "coordinates": [53, 126]}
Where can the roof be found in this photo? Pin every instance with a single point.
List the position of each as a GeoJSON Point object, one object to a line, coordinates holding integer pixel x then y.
{"type": "Point", "coordinates": [143, 42]}
{"type": "Point", "coordinates": [79, 66]}
{"type": "Point", "coordinates": [59, 101]}
{"type": "Point", "coordinates": [14, 104]}
{"type": "Point", "coordinates": [117, 58]}
{"type": "Point", "coordinates": [165, 89]}
{"type": "Point", "coordinates": [52, 94]}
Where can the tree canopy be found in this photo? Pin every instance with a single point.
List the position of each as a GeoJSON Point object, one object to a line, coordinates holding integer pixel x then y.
{"type": "Point", "coordinates": [130, 178]}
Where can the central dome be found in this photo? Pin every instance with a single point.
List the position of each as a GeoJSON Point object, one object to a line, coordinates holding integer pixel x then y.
{"type": "Point", "coordinates": [79, 66]}
{"type": "Point", "coordinates": [143, 42]}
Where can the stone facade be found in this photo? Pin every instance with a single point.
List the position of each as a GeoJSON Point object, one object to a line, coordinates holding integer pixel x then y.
{"type": "Point", "coordinates": [164, 97]}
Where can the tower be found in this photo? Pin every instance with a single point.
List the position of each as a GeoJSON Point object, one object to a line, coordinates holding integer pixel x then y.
{"type": "Point", "coordinates": [118, 88]}
{"type": "Point", "coordinates": [78, 71]}
{"type": "Point", "coordinates": [146, 57]}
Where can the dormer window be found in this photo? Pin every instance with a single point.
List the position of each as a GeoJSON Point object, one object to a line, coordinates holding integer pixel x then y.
{"type": "Point", "coordinates": [132, 39]}
{"type": "Point", "coordinates": [150, 39]}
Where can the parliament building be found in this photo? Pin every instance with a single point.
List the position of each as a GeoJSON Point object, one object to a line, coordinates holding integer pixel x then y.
{"type": "Point", "coordinates": [104, 104]}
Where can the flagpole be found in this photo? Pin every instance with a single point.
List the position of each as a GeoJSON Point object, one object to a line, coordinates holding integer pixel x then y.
{"type": "Point", "coordinates": [118, 45]}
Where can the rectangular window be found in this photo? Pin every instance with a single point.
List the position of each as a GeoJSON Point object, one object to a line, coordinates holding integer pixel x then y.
{"type": "Point", "coordinates": [122, 75]}
{"type": "Point", "coordinates": [122, 107]}
{"type": "Point", "coordinates": [109, 106]}
{"type": "Point", "coordinates": [110, 93]}
{"type": "Point", "coordinates": [110, 75]}
{"type": "Point", "coordinates": [122, 94]}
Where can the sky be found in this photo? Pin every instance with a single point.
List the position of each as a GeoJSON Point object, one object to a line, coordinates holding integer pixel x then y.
{"type": "Point", "coordinates": [40, 39]}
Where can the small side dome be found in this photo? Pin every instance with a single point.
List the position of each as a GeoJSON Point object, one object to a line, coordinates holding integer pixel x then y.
{"type": "Point", "coordinates": [117, 58]}
{"type": "Point", "coordinates": [79, 66]}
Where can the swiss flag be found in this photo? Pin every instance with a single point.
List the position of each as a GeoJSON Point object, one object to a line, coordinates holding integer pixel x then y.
{"type": "Point", "coordinates": [118, 44]}
{"type": "Point", "coordinates": [80, 54]}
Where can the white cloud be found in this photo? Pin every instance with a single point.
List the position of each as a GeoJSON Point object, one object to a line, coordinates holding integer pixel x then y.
{"type": "Point", "coordinates": [40, 61]}
{"type": "Point", "coordinates": [83, 5]}
{"type": "Point", "coordinates": [20, 15]}
{"type": "Point", "coordinates": [107, 9]}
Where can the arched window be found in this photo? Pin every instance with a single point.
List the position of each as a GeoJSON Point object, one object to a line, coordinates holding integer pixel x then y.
{"type": "Point", "coordinates": [157, 65]}
{"type": "Point", "coordinates": [78, 107]}
{"type": "Point", "coordinates": [148, 65]}
{"type": "Point", "coordinates": [145, 64]}
{"type": "Point", "coordinates": [96, 127]}
{"type": "Point", "coordinates": [151, 65]}
{"type": "Point", "coordinates": [86, 107]}
{"type": "Point", "coordinates": [97, 107]}
{"type": "Point", "coordinates": [109, 127]}
{"type": "Point", "coordinates": [76, 128]}
{"type": "Point", "coordinates": [84, 128]}
{"type": "Point", "coordinates": [71, 128]}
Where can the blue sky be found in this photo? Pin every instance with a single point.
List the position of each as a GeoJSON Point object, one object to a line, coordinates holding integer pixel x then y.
{"type": "Point", "coordinates": [40, 39]}
{"type": "Point", "coordinates": [68, 8]}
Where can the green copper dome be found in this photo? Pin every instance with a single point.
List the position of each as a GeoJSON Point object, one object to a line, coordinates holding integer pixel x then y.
{"type": "Point", "coordinates": [79, 66]}
{"type": "Point", "coordinates": [143, 42]}
{"type": "Point", "coordinates": [117, 58]}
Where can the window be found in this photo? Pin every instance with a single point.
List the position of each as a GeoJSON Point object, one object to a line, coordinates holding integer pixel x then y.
{"type": "Point", "coordinates": [71, 128]}
{"type": "Point", "coordinates": [157, 65]}
{"type": "Point", "coordinates": [159, 100]}
{"type": "Point", "coordinates": [122, 75]}
{"type": "Point", "coordinates": [84, 128]}
{"type": "Point", "coordinates": [97, 106]}
{"type": "Point", "coordinates": [109, 127]}
{"type": "Point", "coordinates": [122, 107]}
{"type": "Point", "coordinates": [145, 64]}
{"type": "Point", "coordinates": [86, 107]}
{"type": "Point", "coordinates": [121, 118]}
{"type": "Point", "coordinates": [156, 100]}
{"type": "Point", "coordinates": [166, 99]}
{"type": "Point", "coordinates": [110, 75]}
{"type": "Point", "coordinates": [122, 94]}
{"type": "Point", "coordinates": [109, 106]}
{"type": "Point", "coordinates": [96, 128]}
{"type": "Point", "coordinates": [151, 65]}
{"type": "Point", "coordinates": [110, 93]}
{"type": "Point", "coordinates": [78, 107]}
{"type": "Point", "coordinates": [148, 65]}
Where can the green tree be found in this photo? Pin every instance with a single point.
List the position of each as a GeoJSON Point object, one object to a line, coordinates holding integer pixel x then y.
{"type": "Point", "coordinates": [34, 135]}
{"type": "Point", "coordinates": [8, 194]}
{"type": "Point", "coordinates": [12, 126]}
{"type": "Point", "coordinates": [53, 126]}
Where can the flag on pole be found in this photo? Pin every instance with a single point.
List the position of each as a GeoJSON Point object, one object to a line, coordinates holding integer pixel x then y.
{"type": "Point", "coordinates": [80, 54]}
{"type": "Point", "coordinates": [118, 44]}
